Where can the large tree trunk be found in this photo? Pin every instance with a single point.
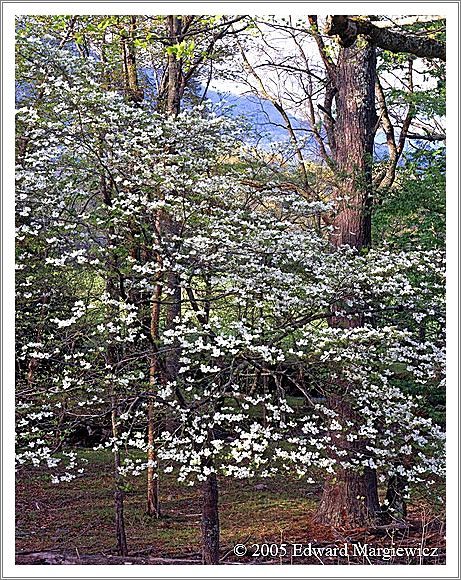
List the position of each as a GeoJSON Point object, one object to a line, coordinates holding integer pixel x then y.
{"type": "Point", "coordinates": [350, 498]}
{"type": "Point", "coordinates": [354, 136]}
{"type": "Point", "coordinates": [210, 520]}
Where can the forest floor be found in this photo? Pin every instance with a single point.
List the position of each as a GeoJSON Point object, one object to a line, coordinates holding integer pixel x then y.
{"type": "Point", "coordinates": [75, 520]}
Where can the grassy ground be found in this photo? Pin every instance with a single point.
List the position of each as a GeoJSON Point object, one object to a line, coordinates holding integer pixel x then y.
{"type": "Point", "coordinates": [78, 517]}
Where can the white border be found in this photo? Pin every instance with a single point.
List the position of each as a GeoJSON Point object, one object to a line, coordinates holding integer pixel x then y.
{"type": "Point", "coordinates": [10, 10]}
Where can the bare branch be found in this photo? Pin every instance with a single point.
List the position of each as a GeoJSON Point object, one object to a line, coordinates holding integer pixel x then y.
{"type": "Point", "coordinates": [431, 137]}
{"type": "Point", "coordinates": [286, 119]}
{"type": "Point", "coordinates": [327, 61]}
{"type": "Point", "coordinates": [386, 177]}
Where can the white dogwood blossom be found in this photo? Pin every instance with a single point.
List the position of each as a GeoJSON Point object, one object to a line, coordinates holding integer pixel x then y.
{"type": "Point", "coordinates": [259, 361]}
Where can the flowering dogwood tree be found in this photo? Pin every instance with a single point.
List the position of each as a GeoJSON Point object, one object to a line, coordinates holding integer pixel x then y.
{"type": "Point", "coordinates": [98, 179]}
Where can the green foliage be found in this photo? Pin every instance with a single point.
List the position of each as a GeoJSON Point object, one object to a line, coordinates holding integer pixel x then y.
{"type": "Point", "coordinates": [412, 213]}
{"type": "Point", "coordinates": [184, 49]}
{"type": "Point", "coordinates": [429, 102]}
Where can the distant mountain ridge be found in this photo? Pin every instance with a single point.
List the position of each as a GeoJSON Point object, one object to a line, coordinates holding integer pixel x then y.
{"type": "Point", "coordinates": [261, 113]}
{"type": "Point", "coordinates": [269, 124]}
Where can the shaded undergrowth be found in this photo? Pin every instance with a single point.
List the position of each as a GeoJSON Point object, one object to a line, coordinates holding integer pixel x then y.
{"type": "Point", "coordinates": [77, 517]}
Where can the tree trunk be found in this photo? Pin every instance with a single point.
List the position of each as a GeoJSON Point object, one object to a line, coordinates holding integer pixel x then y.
{"type": "Point", "coordinates": [122, 548]}
{"type": "Point", "coordinates": [174, 68]}
{"type": "Point", "coordinates": [132, 89]}
{"type": "Point", "coordinates": [350, 498]}
{"type": "Point", "coordinates": [112, 355]}
{"type": "Point", "coordinates": [354, 136]}
{"type": "Point", "coordinates": [135, 94]}
{"type": "Point", "coordinates": [210, 520]}
{"type": "Point", "coordinates": [153, 503]}
{"type": "Point", "coordinates": [395, 508]}
{"type": "Point", "coordinates": [173, 313]}
{"type": "Point", "coordinates": [119, 494]}
{"type": "Point", "coordinates": [169, 225]}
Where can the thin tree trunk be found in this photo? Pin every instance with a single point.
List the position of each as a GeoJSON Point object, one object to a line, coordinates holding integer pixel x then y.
{"type": "Point", "coordinates": [174, 68]}
{"type": "Point", "coordinates": [169, 225]}
{"type": "Point", "coordinates": [119, 494]}
{"type": "Point", "coordinates": [153, 503]}
{"type": "Point", "coordinates": [34, 362]}
{"type": "Point", "coordinates": [395, 508]}
{"type": "Point", "coordinates": [170, 104]}
{"type": "Point", "coordinates": [210, 520]}
{"type": "Point", "coordinates": [132, 88]}
{"type": "Point", "coordinates": [135, 94]}
{"type": "Point", "coordinates": [111, 290]}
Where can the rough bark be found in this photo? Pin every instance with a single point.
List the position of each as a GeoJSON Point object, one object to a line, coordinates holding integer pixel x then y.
{"type": "Point", "coordinates": [210, 520]}
{"type": "Point", "coordinates": [350, 498]}
{"type": "Point", "coordinates": [347, 29]}
{"type": "Point", "coordinates": [132, 88]}
{"type": "Point", "coordinates": [355, 79]}
{"type": "Point", "coordinates": [175, 82]}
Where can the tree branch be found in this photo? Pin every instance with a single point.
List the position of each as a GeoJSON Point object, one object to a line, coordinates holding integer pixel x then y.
{"type": "Point", "coordinates": [286, 119]}
{"type": "Point", "coordinates": [407, 21]}
{"type": "Point", "coordinates": [347, 29]}
{"type": "Point", "coordinates": [327, 61]}
{"type": "Point", "coordinates": [428, 137]}
{"type": "Point", "coordinates": [387, 176]}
